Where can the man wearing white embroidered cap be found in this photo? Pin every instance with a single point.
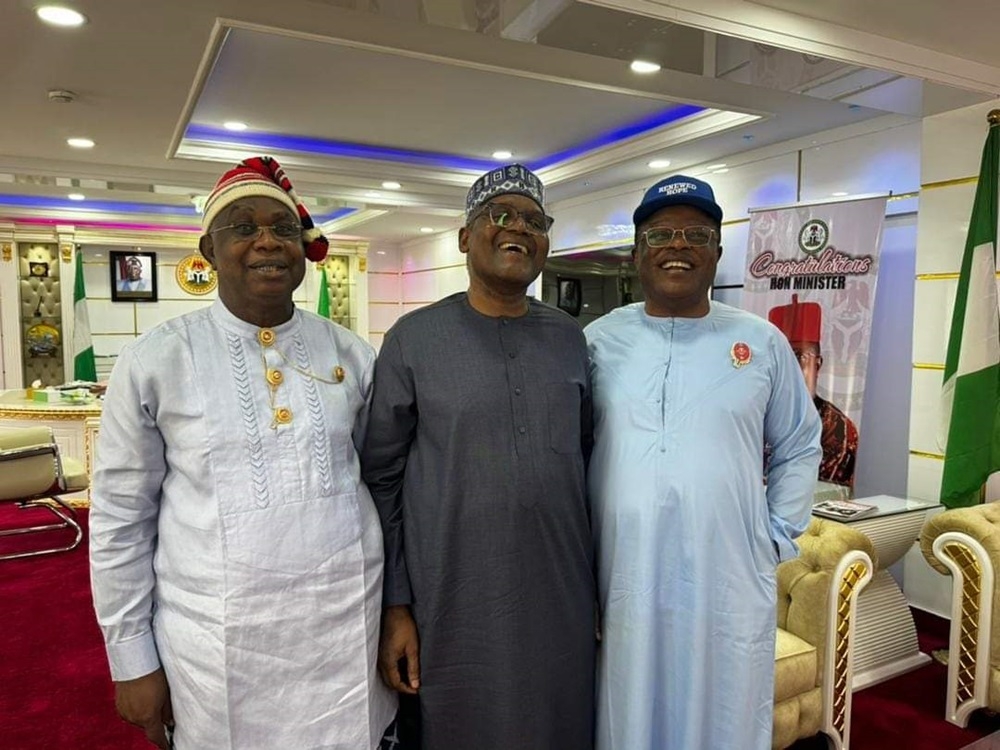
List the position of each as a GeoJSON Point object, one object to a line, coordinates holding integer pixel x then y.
{"type": "Point", "coordinates": [686, 393]}
{"type": "Point", "coordinates": [236, 556]}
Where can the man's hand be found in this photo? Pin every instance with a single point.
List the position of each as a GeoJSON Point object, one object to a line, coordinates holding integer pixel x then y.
{"type": "Point", "coordinates": [399, 642]}
{"type": "Point", "coordinates": [145, 702]}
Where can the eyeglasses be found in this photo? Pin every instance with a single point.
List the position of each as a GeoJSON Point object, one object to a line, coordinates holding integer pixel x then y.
{"type": "Point", "coordinates": [808, 357]}
{"type": "Point", "coordinates": [692, 236]}
{"type": "Point", "coordinates": [504, 216]}
{"type": "Point", "coordinates": [283, 230]}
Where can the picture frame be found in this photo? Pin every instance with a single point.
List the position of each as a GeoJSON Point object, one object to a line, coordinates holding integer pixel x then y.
{"type": "Point", "coordinates": [569, 296]}
{"type": "Point", "coordinates": [133, 276]}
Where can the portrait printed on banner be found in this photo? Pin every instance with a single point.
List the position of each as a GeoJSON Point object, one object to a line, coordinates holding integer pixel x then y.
{"type": "Point", "coordinates": [133, 277]}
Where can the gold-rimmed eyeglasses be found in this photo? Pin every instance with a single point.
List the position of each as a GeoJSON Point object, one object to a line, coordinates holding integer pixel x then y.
{"type": "Point", "coordinates": [284, 231]}
{"type": "Point", "coordinates": [697, 236]}
{"type": "Point", "coordinates": [504, 216]}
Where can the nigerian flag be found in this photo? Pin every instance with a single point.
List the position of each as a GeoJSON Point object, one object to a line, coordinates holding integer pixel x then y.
{"type": "Point", "coordinates": [971, 393]}
{"type": "Point", "coordinates": [323, 308]}
{"type": "Point", "coordinates": [83, 348]}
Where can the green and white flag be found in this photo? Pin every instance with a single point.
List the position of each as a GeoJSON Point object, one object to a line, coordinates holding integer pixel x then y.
{"type": "Point", "coordinates": [84, 367]}
{"type": "Point", "coordinates": [323, 308]}
{"type": "Point", "coordinates": [971, 393]}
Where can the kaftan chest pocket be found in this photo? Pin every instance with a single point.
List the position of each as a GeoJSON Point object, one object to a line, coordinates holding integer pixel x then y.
{"type": "Point", "coordinates": [294, 538]}
{"type": "Point", "coordinates": [563, 402]}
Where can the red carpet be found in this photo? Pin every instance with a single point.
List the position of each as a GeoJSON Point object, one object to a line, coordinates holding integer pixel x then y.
{"type": "Point", "coordinates": [908, 711]}
{"type": "Point", "coordinates": [55, 690]}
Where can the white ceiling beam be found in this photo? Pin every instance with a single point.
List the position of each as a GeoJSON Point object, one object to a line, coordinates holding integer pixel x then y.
{"type": "Point", "coordinates": [748, 20]}
{"type": "Point", "coordinates": [534, 19]}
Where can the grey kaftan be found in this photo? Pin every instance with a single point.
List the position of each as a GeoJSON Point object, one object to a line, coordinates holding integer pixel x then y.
{"type": "Point", "coordinates": [475, 459]}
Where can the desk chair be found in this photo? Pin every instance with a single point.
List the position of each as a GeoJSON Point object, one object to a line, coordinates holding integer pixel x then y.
{"type": "Point", "coordinates": [34, 475]}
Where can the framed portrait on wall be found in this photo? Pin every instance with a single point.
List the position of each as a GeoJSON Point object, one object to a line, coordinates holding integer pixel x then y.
{"type": "Point", "coordinates": [133, 277]}
{"type": "Point", "coordinates": [570, 296]}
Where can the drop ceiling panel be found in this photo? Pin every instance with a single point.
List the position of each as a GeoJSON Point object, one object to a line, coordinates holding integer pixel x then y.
{"type": "Point", "coordinates": [385, 99]}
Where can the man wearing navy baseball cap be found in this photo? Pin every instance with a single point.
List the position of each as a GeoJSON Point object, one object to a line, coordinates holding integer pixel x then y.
{"type": "Point", "coordinates": [687, 392]}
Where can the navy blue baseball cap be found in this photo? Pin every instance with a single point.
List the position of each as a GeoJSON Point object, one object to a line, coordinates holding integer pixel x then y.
{"type": "Point", "coordinates": [678, 190]}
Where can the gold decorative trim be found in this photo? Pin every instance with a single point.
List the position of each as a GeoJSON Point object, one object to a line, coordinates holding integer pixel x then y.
{"type": "Point", "coordinates": [972, 581]}
{"type": "Point", "coordinates": [842, 643]}
{"type": "Point", "coordinates": [925, 454]}
{"type": "Point", "coordinates": [8, 252]}
{"type": "Point", "coordinates": [66, 251]}
{"type": "Point", "coordinates": [91, 429]}
{"type": "Point", "coordinates": [38, 416]}
{"type": "Point", "coordinates": [949, 183]}
{"type": "Point", "coordinates": [591, 246]}
{"type": "Point", "coordinates": [435, 268]}
{"type": "Point", "coordinates": [928, 366]}
{"type": "Point", "coordinates": [941, 276]}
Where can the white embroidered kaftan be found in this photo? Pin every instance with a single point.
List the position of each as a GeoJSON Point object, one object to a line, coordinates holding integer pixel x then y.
{"type": "Point", "coordinates": [232, 540]}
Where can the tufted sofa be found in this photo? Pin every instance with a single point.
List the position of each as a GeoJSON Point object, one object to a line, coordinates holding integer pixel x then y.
{"type": "Point", "coordinates": [817, 594]}
{"type": "Point", "coordinates": [965, 543]}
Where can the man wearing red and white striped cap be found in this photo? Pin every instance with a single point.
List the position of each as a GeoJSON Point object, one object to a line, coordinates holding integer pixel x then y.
{"type": "Point", "coordinates": [236, 555]}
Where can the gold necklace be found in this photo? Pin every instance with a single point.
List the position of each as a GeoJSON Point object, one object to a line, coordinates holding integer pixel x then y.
{"type": "Point", "coordinates": [282, 414]}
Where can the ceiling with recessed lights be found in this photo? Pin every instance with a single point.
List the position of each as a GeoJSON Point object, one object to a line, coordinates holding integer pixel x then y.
{"type": "Point", "coordinates": [383, 119]}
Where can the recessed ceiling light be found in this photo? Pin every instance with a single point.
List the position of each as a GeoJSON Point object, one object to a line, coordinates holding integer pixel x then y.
{"type": "Point", "coordinates": [380, 252]}
{"type": "Point", "coordinates": [502, 154]}
{"type": "Point", "coordinates": [390, 185]}
{"type": "Point", "coordinates": [644, 66]}
{"type": "Point", "coordinates": [426, 230]}
{"type": "Point", "coordinates": [77, 197]}
{"type": "Point", "coordinates": [235, 125]}
{"type": "Point", "coordinates": [80, 142]}
{"type": "Point", "coordinates": [839, 194]}
{"type": "Point", "coordinates": [57, 15]}
{"type": "Point", "coordinates": [371, 194]}
{"type": "Point", "coordinates": [659, 164]}
{"type": "Point", "coordinates": [721, 171]}
{"type": "Point", "coordinates": [715, 166]}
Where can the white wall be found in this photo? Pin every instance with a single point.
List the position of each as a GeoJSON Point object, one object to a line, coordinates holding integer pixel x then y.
{"type": "Point", "coordinates": [114, 324]}
{"type": "Point", "coordinates": [385, 290]}
{"type": "Point", "coordinates": [951, 151]}
{"type": "Point", "coordinates": [880, 158]}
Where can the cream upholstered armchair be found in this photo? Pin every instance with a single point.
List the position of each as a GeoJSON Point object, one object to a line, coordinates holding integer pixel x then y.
{"type": "Point", "coordinates": [34, 475]}
{"type": "Point", "coordinates": [965, 543]}
{"type": "Point", "coordinates": [817, 596]}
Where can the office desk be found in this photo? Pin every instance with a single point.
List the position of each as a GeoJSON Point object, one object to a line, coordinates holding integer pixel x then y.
{"type": "Point", "coordinates": [885, 640]}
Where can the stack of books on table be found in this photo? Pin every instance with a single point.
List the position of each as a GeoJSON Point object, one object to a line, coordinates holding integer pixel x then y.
{"type": "Point", "coordinates": [842, 510]}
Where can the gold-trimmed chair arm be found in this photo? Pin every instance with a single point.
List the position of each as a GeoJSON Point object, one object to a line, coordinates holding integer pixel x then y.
{"type": "Point", "coordinates": [817, 600]}
{"type": "Point", "coordinates": [965, 544]}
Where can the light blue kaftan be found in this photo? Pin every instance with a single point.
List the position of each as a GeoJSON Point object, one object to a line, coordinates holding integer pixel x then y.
{"type": "Point", "coordinates": [688, 535]}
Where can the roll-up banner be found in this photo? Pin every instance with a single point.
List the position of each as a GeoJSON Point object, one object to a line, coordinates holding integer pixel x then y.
{"type": "Point", "coordinates": [811, 271]}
